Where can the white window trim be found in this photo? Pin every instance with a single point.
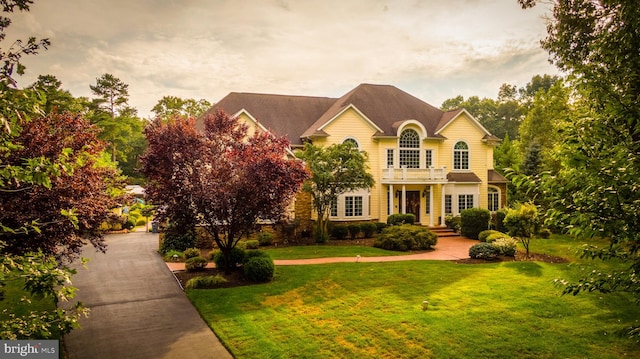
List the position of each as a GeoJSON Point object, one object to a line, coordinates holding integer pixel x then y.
{"type": "Point", "coordinates": [453, 157]}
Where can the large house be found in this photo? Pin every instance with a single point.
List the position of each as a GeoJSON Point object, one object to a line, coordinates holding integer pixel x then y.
{"type": "Point", "coordinates": [424, 161]}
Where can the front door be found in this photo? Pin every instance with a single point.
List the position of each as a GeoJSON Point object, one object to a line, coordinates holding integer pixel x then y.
{"type": "Point", "coordinates": [413, 204]}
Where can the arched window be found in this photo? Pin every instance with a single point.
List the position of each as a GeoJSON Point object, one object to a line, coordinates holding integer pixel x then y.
{"type": "Point", "coordinates": [409, 149]}
{"type": "Point", "coordinates": [494, 199]}
{"type": "Point", "coordinates": [353, 142]}
{"type": "Point", "coordinates": [461, 156]}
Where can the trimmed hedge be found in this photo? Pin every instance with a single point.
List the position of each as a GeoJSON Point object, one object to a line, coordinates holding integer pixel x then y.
{"type": "Point", "coordinates": [340, 231]}
{"type": "Point", "coordinates": [368, 229]}
{"type": "Point", "coordinates": [237, 257]}
{"type": "Point", "coordinates": [482, 236]}
{"type": "Point", "coordinates": [401, 218]}
{"type": "Point", "coordinates": [506, 246]}
{"type": "Point", "coordinates": [259, 269]}
{"type": "Point", "coordinates": [405, 237]}
{"type": "Point", "coordinates": [252, 244]}
{"type": "Point", "coordinates": [265, 238]}
{"type": "Point", "coordinates": [205, 282]}
{"type": "Point", "coordinates": [178, 243]}
{"type": "Point", "coordinates": [354, 230]}
{"type": "Point", "coordinates": [495, 236]}
{"type": "Point", "coordinates": [484, 251]}
{"type": "Point", "coordinates": [195, 264]}
{"type": "Point", "coordinates": [473, 221]}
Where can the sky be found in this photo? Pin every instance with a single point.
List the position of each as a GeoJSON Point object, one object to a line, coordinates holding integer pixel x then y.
{"type": "Point", "coordinates": [204, 49]}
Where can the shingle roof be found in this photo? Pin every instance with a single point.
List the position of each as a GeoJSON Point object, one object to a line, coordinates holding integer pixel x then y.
{"type": "Point", "coordinates": [495, 177]}
{"type": "Point", "coordinates": [465, 177]}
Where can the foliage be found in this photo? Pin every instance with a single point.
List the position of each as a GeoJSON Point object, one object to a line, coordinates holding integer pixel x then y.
{"type": "Point", "coordinates": [495, 236]}
{"type": "Point", "coordinates": [195, 264]}
{"type": "Point", "coordinates": [452, 222]}
{"type": "Point", "coordinates": [401, 218]}
{"type": "Point", "coordinates": [222, 176]}
{"type": "Point", "coordinates": [265, 238]}
{"type": "Point", "coordinates": [380, 226]}
{"type": "Point", "coordinates": [484, 251]}
{"type": "Point", "coordinates": [368, 229]}
{"type": "Point", "coordinates": [405, 237]}
{"type": "Point", "coordinates": [482, 236]}
{"type": "Point", "coordinates": [113, 94]}
{"type": "Point", "coordinates": [171, 106]}
{"type": "Point", "coordinates": [354, 230]}
{"type": "Point", "coordinates": [174, 256]}
{"type": "Point", "coordinates": [497, 219]}
{"type": "Point", "coordinates": [205, 282]}
{"type": "Point", "coordinates": [252, 244]}
{"type": "Point", "coordinates": [544, 233]}
{"type": "Point", "coordinates": [191, 252]}
{"type": "Point", "coordinates": [522, 223]}
{"type": "Point", "coordinates": [335, 170]}
{"type": "Point", "coordinates": [253, 254]}
{"type": "Point", "coordinates": [178, 242]}
{"type": "Point", "coordinates": [339, 231]}
{"type": "Point", "coordinates": [259, 269]}
{"type": "Point", "coordinates": [473, 221]}
{"type": "Point", "coordinates": [234, 259]}
{"type": "Point", "coordinates": [506, 246]}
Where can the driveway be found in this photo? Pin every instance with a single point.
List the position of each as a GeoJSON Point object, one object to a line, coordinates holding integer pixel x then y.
{"type": "Point", "coordinates": [137, 308]}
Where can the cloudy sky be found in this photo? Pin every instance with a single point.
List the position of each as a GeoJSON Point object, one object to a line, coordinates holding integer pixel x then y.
{"type": "Point", "coordinates": [197, 49]}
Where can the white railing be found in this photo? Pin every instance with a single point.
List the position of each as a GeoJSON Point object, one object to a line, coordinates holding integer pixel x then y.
{"type": "Point", "coordinates": [415, 174]}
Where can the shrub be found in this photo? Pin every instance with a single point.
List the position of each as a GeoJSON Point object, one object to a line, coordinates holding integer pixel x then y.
{"type": "Point", "coordinates": [498, 220]}
{"type": "Point", "coordinates": [141, 221]}
{"type": "Point", "coordinates": [473, 221]}
{"type": "Point", "coordinates": [205, 282]}
{"type": "Point", "coordinates": [482, 236]}
{"type": "Point", "coordinates": [255, 254]}
{"type": "Point", "coordinates": [259, 269]}
{"type": "Point", "coordinates": [265, 238]}
{"type": "Point", "coordinates": [401, 218]}
{"type": "Point", "coordinates": [452, 222]}
{"type": "Point", "coordinates": [405, 238]}
{"type": "Point", "coordinates": [495, 236]}
{"type": "Point", "coordinates": [483, 251]}
{"type": "Point", "coordinates": [339, 231]}
{"type": "Point", "coordinates": [130, 224]}
{"type": "Point", "coordinates": [195, 264]}
{"type": "Point", "coordinates": [506, 246]}
{"type": "Point", "coordinates": [380, 226]}
{"type": "Point", "coordinates": [237, 257]}
{"type": "Point", "coordinates": [169, 256]}
{"type": "Point", "coordinates": [319, 236]}
{"type": "Point", "coordinates": [368, 229]}
{"type": "Point", "coordinates": [252, 244]}
{"type": "Point", "coordinates": [191, 252]}
{"type": "Point", "coordinates": [544, 233]}
{"type": "Point", "coordinates": [354, 230]}
{"type": "Point", "coordinates": [177, 242]}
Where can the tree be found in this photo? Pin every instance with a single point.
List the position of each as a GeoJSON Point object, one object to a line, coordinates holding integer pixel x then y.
{"type": "Point", "coordinates": [113, 94]}
{"type": "Point", "coordinates": [225, 178]}
{"type": "Point", "coordinates": [335, 170]}
{"type": "Point", "coordinates": [595, 193]}
{"type": "Point", "coordinates": [170, 106]}
{"type": "Point", "coordinates": [522, 223]}
{"type": "Point", "coordinates": [54, 96]}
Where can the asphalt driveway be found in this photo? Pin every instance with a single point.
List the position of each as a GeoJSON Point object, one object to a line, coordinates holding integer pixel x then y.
{"type": "Point", "coordinates": [137, 308]}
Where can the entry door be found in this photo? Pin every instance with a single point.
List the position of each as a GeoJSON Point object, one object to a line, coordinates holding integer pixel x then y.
{"type": "Point", "coordinates": [413, 204]}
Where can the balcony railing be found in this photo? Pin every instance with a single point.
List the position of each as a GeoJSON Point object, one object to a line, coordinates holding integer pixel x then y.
{"type": "Point", "coordinates": [431, 174]}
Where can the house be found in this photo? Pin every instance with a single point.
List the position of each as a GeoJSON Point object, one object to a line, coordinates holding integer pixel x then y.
{"type": "Point", "coordinates": [425, 161]}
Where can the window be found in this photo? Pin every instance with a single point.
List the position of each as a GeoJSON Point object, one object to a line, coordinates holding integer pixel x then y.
{"type": "Point", "coordinates": [353, 142]}
{"type": "Point", "coordinates": [447, 204]}
{"type": "Point", "coordinates": [461, 156]}
{"type": "Point", "coordinates": [334, 208]}
{"type": "Point", "coordinates": [494, 199]}
{"type": "Point", "coordinates": [465, 201]}
{"type": "Point", "coordinates": [428, 158]}
{"type": "Point", "coordinates": [353, 206]}
{"type": "Point", "coordinates": [409, 149]}
{"type": "Point", "coordinates": [389, 158]}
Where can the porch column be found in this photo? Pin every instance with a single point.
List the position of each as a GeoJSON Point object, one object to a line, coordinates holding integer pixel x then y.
{"type": "Point", "coordinates": [443, 209]}
{"type": "Point", "coordinates": [404, 199]}
{"type": "Point", "coordinates": [430, 207]}
{"type": "Point", "coordinates": [391, 194]}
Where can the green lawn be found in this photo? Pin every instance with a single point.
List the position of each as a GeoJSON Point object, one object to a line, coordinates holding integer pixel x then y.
{"type": "Point", "coordinates": [364, 310]}
{"type": "Point", "coordinates": [324, 251]}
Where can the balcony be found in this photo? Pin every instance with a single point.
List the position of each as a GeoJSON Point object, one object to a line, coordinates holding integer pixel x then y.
{"type": "Point", "coordinates": [414, 175]}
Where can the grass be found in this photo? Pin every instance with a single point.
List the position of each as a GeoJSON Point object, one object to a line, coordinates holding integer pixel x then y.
{"type": "Point", "coordinates": [323, 251]}
{"type": "Point", "coordinates": [363, 310]}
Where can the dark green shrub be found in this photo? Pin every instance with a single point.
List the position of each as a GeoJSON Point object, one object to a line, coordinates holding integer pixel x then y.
{"type": "Point", "coordinates": [354, 230]}
{"type": "Point", "coordinates": [452, 222]}
{"type": "Point", "coordinates": [482, 236]}
{"type": "Point", "coordinates": [173, 256]}
{"type": "Point", "coordinates": [265, 238]}
{"type": "Point", "coordinates": [380, 226]}
{"type": "Point", "coordinates": [401, 218]}
{"type": "Point", "coordinates": [255, 254]}
{"type": "Point", "coordinates": [177, 242]}
{"type": "Point", "coordinates": [205, 282]}
{"type": "Point", "coordinates": [340, 231]}
{"type": "Point", "coordinates": [131, 224]}
{"type": "Point", "coordinates": [405, 237]}
{"type": "Point", "coordinates": [483, 251]}
{"type": "Point", "coordinates": [237, 257]}
{"type": "Point", "coordinates": [506, 246]}
{"type": "Point", "coordinates": [368, 229]}
{"type": "Point", "coordinates": [141, 221]}
{"type": "Point", "coordinates": [473, 221]}
{"type": "Point", "coordinates": [195, 264]}
{"type": "Point", "coordinates": [259, 269]}
{"type": "Point", "coordinates": [252, 244]}
{"type": "Point", "coordinates": [319, 236]}
{"type": "Point", "coordinates": [191, 252]}
{"type": "Point", "coordinates": [497, 220]}
{"type": "Point", "coordinates": [544, 233]}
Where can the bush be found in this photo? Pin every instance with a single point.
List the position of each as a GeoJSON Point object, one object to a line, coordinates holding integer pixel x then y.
{"type": "Point", "coordinates": [401, 218]}
{"type": "Point", "coordinates": [205, 282]}
{"type": "Point", "coordinates": [237, 257]}
{"type": "Point", "coordinates": [368, 229]}
{"type": "Point", "coordinates": [544, 233]}
{"type": "Point", "coordinates": [497, 220]}
{"type": "Point", "coordinates": [354, 230]}
{"type": "Point", "coordinates": [473, 221]}
{"type": "Point", "coordinates": [259, 269]}
{"type": "Point", "coordinates": [141, 221]}
{"type": "Point", "coordinates": [169, 256]}
{"type": "Point", "coordinates": [452, 222]}
{"type": "Point", "coordinates": [506, 246]}
{"type": "Point", "coordinates": [339, 231]}
{"type": "Point", "coordinates": [483, 251]}
{"type": "Point", "coordinates": [265, 238]}
{"type": "Point", "coordinates": [482, 236]}
{"type": "Point", "coordinates": [195, 264]}
{"type": "Point", "coordinates": [252, 244]}
{"type": "Point", "coordinates": [177, 242]}
{"type": "Point", "coordinates": [495, 236]}
{"type": "Point", "coordinates": [255, 254]}
{"type": "Point", "coordinates": [319, 236]}
{"type": "Point", "coordinates": [405, 238]}
{"type": "Point", "coordinates": [191, 252]}
{"type": "Point", "coordinates": [380, 226]}
{"type": "Point", "coordinates": [130, 224]}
